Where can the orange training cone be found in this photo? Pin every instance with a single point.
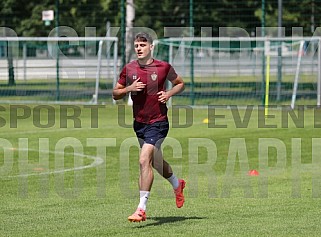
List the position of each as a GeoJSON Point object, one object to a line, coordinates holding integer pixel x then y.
{"type": "Point", "coordinates": [253, 173]}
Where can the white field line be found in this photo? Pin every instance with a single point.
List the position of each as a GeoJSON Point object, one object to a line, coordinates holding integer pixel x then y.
{"type": "Point", "coordinates": [96, 162]}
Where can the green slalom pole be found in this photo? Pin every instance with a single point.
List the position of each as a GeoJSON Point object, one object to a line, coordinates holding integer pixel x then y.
{"type": "Point", "coordinates": [57, 56]}
{"type": "Point", "coordinates": [192, 95]}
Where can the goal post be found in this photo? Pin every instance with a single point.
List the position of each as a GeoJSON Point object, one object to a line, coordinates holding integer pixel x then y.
{"type": "Point", "coordinates": [82, 63]}
{"type": "Point", "coordinates": [229, 70]}
{"type": "Point", "coordinates": [98, 71]}
{"type": "Point", "coordinates": [297, 74]}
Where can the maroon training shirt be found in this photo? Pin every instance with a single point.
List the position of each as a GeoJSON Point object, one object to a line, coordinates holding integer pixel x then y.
{"type": "Point", "coordinates": [146, 107]}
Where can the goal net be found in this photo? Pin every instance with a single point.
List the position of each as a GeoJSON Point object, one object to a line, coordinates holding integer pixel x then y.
{"type": "Point", "coordinates": [238, 71]}
{"type": "Point", "coordinates": [58, 69]}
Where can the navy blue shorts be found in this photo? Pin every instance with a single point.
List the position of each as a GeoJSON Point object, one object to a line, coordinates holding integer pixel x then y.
{"type": "Point", "coordinates": [154, 133]}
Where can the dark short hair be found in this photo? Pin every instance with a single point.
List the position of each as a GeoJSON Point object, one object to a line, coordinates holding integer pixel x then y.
{"type": "Point", "coordinates": [144, 37]}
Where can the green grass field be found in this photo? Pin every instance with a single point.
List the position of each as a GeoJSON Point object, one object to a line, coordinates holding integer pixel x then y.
{"type": "Point", "coordinates": [69, 171]}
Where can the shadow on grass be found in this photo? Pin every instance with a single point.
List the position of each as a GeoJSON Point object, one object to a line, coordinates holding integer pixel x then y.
{"type": "Point", "coordinates": [169, 219]}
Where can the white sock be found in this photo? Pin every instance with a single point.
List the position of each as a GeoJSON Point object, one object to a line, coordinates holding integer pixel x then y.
{"type": "Point", "coordinates": [144, 195]}
{"type": "Point", "coordinates": [174, 181]}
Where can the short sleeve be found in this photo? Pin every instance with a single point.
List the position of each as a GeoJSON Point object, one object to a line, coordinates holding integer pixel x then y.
{"type": "Point", "coordinates": [171, 75]}
{"type": "Point", "coordinates": [122, 77]}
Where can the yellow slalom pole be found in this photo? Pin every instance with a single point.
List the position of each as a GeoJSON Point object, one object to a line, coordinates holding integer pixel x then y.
{"type": "Point", "coordinates": [267, 85]}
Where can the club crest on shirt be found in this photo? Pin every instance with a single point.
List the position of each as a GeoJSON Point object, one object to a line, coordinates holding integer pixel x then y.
{"type": "Point", "coordinates": [153, 76]}
{"type": "Point", "coordinates": [134, 77]}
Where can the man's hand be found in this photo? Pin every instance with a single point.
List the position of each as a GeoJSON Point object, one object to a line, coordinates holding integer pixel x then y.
{"type": "Point", "coordinates": [163, 97]}
{"type": "Point", "coordinates": [136, 86]}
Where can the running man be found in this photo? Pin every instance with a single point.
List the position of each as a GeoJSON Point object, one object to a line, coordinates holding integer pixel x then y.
{"type": "Point", "coordinates": [145, 79]}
